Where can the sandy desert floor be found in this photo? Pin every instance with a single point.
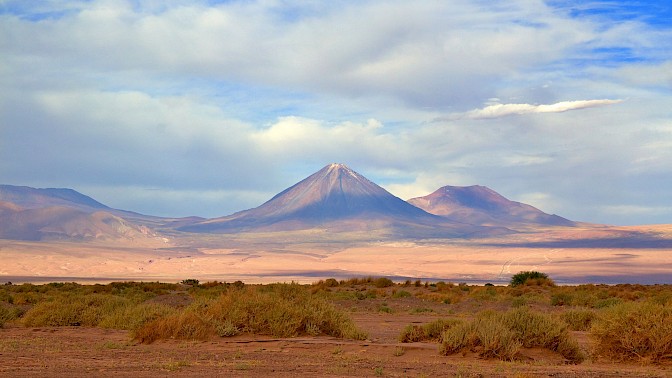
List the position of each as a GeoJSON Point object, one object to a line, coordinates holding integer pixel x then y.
{"type": "Point", "coordinates": [267, 259]}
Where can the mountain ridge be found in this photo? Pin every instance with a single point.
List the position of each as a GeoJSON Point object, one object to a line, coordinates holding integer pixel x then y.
{"type": "Point", "coordinates": [334, 197]}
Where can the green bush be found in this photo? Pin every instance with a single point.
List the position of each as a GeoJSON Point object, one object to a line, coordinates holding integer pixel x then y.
{"type": "Point", "coordinates": [531, 277]}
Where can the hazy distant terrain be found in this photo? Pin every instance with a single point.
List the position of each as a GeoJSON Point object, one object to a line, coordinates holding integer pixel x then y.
{"type": "Point", "coordinates": [335, 223]}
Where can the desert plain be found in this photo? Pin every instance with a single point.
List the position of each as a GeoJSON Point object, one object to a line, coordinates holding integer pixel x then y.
{"type": "Point", "coordinates": [306, 256]}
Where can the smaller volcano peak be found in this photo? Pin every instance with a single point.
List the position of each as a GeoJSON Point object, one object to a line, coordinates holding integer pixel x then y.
{"type": "Point", "coordinates": [481, 205]}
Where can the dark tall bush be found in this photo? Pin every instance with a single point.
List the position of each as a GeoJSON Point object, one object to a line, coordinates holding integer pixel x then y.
{"type": "Point", "coordinates": [522, 277]}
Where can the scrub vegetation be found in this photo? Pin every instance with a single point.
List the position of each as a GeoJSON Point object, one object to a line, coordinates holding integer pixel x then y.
{"type": "Point", "coordinates": [622, 323]}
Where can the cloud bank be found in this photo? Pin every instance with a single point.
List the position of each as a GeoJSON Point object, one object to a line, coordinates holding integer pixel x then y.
{"type": "Point", "coordinates": [208, 107]}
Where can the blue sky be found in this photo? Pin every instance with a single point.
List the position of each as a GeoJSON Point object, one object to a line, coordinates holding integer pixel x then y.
{"type": "Point", "coordinates": [209, 107]}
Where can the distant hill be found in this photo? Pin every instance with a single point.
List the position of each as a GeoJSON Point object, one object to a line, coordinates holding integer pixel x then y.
{"type": "Point", "coordinates": [33, 198]}
{"type": "Point", "coordinates": [26, 198]}
{"type": "Point", "coordinates": [336, 198]}
{"type": "Point", "coordinates": [64, 223]}
{"type": "Point", "coordinates": [483, 206]}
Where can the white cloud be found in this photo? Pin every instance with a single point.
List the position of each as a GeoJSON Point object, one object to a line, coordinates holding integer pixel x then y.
{"type": "Point", "coordinates": [504, 110]}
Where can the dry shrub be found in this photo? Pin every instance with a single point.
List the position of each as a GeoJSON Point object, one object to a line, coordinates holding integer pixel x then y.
{"type": "Point", "coordinates": [578, 320]}
{"type": "Point", "coordinates": [429, 331]}
{"type": "Point", "coordinates": [401, 294]}
{"type": "Point", "coordinates": [357, 281]}
{"type": "Point", "coordinates": [485, 293]}
{"type": "Point", "coordinates": [184, 325]}
{"type": "Point", "coordinates": [486, 335]}
{"type": "Point", "coordinates": [412, 334]}
{"type": "Point", "coordinates": [496, 339]}
{"type": "Point", "coordinates": [285, 311]}
{"type": "Point", "coordinates": [458, 338]}
{"type": "Point", "coordinates": [93, 310]}
{"type": "Point", "coordinates": [73, 310]}
{"type": "Point", "coordinates": [501, 335]}
{"type": "Point", "coordinates": [27, 298]}
{"type": "Point", "coordinates": [561, 299]}
{"type": "Point", "coordinates": [9, 313]}
{"type": "Point", "coordinates": [634, 331]}
{"type": "Point", "coordinates": [383, 282]}
{"type": "Point", "coordinates": [132, 316]}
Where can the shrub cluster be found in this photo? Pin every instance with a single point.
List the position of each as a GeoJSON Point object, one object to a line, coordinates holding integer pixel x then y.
{"type": "Point", "coordinates": [280, 310]}
{"type": "Point", "coordinates": [633, 331]}
{"type": "Point", "coordinates": [92, 310]}
{"type": "Point", "coordinates": [501, 335]}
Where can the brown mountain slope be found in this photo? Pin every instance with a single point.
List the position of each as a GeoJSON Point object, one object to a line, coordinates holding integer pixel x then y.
{"type": "Point", "coordinates": [337, 198]}
{"type": "Point", "coordinates": [483, 206]}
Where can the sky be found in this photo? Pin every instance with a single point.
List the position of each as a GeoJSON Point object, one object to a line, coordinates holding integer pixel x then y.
{"type": "Point", "coordinates": [203, 107]}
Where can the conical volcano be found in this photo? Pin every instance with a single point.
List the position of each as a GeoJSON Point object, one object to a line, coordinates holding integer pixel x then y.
{"type": "Point", "coordinates": [335, 192]}
{"type": "Point", "coordinates": [335, 198]}
{"type": "Point", "coordinates": [483, 206]}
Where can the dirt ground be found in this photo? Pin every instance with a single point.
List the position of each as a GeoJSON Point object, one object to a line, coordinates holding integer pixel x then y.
{"type": "Point", "coordinates": [79, 351]}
